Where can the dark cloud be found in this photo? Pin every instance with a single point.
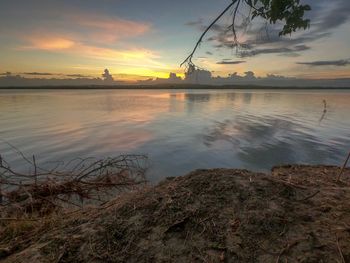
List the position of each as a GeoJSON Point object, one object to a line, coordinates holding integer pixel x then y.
{"type": "Point", "coordinates": [225, 62]}
{"type": "Point", "coordinates": [201, 25]}
{"type": "Point", "coordinates": [78, 76]}
{"type": "Point", "coordinates": [337, 15]}
{"type": "Point", "coordinates": [106, 76]}
{"type": "Point", "coordinates": [5, 74]}
{"type": "Point", "coordinates": [279, 50]}
{"type": "Point", "coordinates": [198, 22]}
{"type": "Point", "coordinates": [338, 63]}
{"type": "Point", "coordinates": [38, 73]}
{"type": "Point", "coordinates": [218, 28]}
{"type": "Point", "coordinates": [291, 55]}
{"type": "Point", "coordinates": [209, 53]}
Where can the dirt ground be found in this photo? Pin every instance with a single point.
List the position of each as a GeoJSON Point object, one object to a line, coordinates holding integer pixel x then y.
{"type": "Point", "coordinates": [294, 214]}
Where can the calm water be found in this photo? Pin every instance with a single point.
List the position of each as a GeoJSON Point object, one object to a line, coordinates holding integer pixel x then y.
{"type": "Point", "coordinates": [179, 130]}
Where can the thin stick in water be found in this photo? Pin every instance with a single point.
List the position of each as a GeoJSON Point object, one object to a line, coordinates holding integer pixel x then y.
{"type": "Point", "coordinates": [343, 168]}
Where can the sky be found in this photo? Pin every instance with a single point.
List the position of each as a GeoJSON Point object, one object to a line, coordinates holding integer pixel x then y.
{"type": "Point", "coordinates": [137, 40]}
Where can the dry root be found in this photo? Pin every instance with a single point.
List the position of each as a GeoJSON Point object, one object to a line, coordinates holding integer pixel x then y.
{"type": "Point", "coordinates": [79, 181]}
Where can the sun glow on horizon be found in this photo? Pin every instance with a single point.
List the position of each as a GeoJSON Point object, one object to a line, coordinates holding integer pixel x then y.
{"type": "Point", "coordinates": [75, 39]}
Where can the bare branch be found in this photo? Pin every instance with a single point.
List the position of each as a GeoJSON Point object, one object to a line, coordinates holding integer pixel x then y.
{"type": "Point", "coordinates": [290, 13]}
{"type": "Point", "coordinates": [189, 58]}
{"type": "Point", "coordinates": [87, 180]}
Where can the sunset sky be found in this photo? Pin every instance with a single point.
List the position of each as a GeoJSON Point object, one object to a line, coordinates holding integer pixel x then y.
{"type": "Point", "coordinates": [140, 39]}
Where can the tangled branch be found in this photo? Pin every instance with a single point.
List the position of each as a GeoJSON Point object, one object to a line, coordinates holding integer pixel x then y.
{"type": "Point", "coordinates": [78, 181]}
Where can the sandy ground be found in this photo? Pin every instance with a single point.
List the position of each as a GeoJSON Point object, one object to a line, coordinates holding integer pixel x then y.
{"type": "Point", "coordinates": [294, 214]}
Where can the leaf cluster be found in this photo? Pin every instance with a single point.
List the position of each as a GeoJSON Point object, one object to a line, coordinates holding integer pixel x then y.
{"type": "Point", "coordinates": [289, 12]}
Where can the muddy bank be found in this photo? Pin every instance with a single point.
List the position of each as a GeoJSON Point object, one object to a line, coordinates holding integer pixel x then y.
{"type": "Point", "coordinates": [294, 214]}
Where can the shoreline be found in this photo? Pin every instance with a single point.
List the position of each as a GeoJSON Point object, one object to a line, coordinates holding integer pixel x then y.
{"type": "Point", "coordinates": [175, 87]}
{"type": "Point", "coordinates": [294, 213]}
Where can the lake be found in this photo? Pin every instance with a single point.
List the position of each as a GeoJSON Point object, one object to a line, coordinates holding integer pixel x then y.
{"type": "Point", "coordinates": [179, 130]}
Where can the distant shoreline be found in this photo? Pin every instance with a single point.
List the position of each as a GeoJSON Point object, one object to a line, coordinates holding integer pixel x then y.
{"type": "Point", "coordinates": [166, 87]}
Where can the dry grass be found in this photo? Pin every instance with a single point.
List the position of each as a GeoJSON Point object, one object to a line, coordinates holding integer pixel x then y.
{"type": "Point", "coordinates": [295, 214]}
{"type": "Point", "coordinates": [40, 200]}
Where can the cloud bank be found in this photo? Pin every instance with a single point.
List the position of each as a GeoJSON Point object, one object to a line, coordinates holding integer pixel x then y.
{"type": "Point", "coordinates": [227, 62]}
{"type": "Point", "coordinates": [198, 77]}
{"type": "Point", "coordinates": [337, 63]}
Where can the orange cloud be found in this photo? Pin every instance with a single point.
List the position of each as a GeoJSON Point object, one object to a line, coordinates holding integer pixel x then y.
{"type": "Point", "coordinates": [91, 35]}
{"type": "Point", "coordinates": [132, 57]}
{"type": "Point", "coordinates": [49, 43]}
{"type": "Point", "coordinates": [85, 28]}
{"type": "Point", "coordinates": [65, 44]}
{"type": "Point", "coordinates": [110, 29]}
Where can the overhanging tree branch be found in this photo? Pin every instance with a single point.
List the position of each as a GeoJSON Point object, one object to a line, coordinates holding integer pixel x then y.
{"type": "Point", "coordinates": [189, 58]}
{"type": "Point", "coordinates": [289, 12]}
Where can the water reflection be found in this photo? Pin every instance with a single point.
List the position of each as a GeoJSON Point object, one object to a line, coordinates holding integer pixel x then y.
{"type": "Point", "coordinates": [180, 130]}
{"type": "Point", "coordinates": [263, 141]}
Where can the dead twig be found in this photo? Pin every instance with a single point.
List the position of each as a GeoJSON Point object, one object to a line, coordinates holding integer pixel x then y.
{"type": "Point", "coordinates": [343, 168]}
{"type": "Point", "coordinates": [286, 249]}
{"type": "Point", "coordinates": [339, 250]}
{"type": "Point", "coordinates": [80, 181]}
{"type": "Point", "coordinates": [307, 197]}
{"type": "Point", "coordinates": [324, 111]}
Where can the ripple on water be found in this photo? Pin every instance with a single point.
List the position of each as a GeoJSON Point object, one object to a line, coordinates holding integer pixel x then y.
{"type": "Point", "coordinates": [179, 130]}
